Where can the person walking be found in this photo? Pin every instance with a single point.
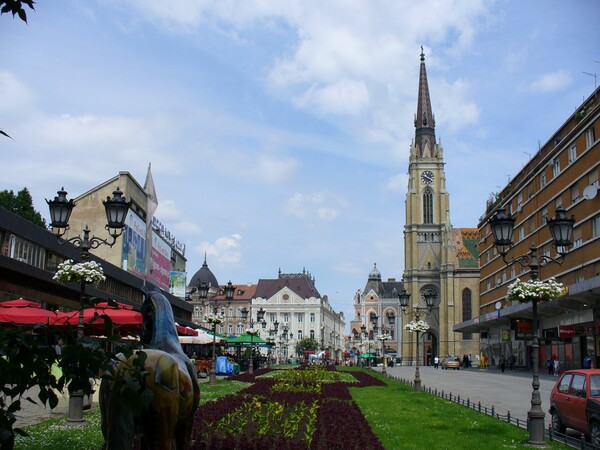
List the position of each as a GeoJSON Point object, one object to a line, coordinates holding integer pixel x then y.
{"type": "Point", "coordinates": [436, 362]}
{"type": "Point", "coordinates": [587, 362]}
{"type": "Point", "coordinates": [502, 363]}
{"type": "Point", "coordinates": [511, 362]}
{"type": "Point", "coordinates": [556, 365]}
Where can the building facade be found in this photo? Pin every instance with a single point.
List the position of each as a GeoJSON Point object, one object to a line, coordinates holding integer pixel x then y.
{"type": "Point", "coordinates": [300, 311]}
{"type": "Point", "coordinates": [562, 174]}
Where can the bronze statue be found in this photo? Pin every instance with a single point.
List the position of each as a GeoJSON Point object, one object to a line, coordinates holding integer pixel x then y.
{"type": "Point", "coordinates": [172, 380]}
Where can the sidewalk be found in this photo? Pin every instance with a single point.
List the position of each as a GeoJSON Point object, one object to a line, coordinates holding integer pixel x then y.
{"type": "Point", "coordinates": [508, 391]}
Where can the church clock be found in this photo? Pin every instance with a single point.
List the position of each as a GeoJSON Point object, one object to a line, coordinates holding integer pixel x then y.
{"type": "Point", "coordinates": [427, 177]}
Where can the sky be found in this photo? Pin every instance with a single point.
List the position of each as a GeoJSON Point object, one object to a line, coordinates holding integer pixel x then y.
{"type": "Point", "coordinates": [279, 131]}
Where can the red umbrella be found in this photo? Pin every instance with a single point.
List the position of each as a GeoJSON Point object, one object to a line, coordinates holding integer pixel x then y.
{"type": "Point", "coordinates": [123, 317]}
{"type": "Point", "coordinates": [21, 311]}
{"type": "Point", "coordinates": [185, 331]}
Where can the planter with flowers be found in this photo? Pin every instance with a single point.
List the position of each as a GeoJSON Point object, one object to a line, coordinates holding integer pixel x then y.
{"type": "Point", "coordinates": [543, 291]}
{"type": "Point", "coordinates": [416, 326]}
{"type": "Point", "coordinates": [215, 319]}
{"type": "Point", "coordinates": [89, 272]}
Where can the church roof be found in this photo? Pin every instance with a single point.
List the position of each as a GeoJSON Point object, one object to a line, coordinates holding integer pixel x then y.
{"type": "Point", "coordinates": [466, 240]}
{"type": "Point", "coordinates": [204, 274]}
{"type": "Point", "coordinates": [383, 289]}
{"type": "Point", "coordinates": [424, 119]}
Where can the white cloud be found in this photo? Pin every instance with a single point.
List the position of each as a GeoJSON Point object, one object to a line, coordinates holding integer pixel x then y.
{"type": "Point", "coordinates": [551, 82]}
{"type": "Point", "coordinates": [275, 170]}
{"type": "Point", "coordinates": [16, 97]}
{"type": "Point", "coordinates": [343, 97]}
{"type": "Point", "coordinates": [315, 207]}
{"type": "Point", "coordinates": [225, 251]}
{"type": "Point", "coordinates": [397, 183]}
{"type": "Point", "coordinates": [455, 108]}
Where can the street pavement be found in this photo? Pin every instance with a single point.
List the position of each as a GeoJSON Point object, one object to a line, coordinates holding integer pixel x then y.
{"type": "Point", "coordinates": [508, 391]}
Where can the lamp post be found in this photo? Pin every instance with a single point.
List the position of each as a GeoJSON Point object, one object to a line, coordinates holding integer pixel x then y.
{"type": "Point", "coordinates": [60, 212]}
{"type": "Point", "coordinates": [203, 288]}
{"type": "Point", "coordinates": [430, 298]}
{"type": "Point", "coordinates": [260, 314]}
{"type": "Point", "coordinates": [561, 229]}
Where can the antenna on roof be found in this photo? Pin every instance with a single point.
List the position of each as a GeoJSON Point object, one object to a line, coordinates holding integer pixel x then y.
{"type": "Point", "coordinates": [595, 78]}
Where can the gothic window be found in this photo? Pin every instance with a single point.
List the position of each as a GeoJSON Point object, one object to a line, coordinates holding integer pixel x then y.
{"type": "Point", "coordinates": [466, 309]}
{"type": "Point", "coordinates": [428, 206]}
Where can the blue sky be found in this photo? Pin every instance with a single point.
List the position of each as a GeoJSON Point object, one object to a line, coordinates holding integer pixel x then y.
{"type": "Point", "coordinates": [278, 131]}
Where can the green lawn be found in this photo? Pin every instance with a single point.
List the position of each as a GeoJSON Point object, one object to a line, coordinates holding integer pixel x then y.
{"type": "Point", "coordinates": [401, 418]}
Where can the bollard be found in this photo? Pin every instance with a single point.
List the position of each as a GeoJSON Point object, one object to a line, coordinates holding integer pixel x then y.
{"type": "Point", "coordinates": [492, 410]}
{"type": "Point", "coordinates": [479, 407]}
{"type": "Point", "coordinates": [458, 399]}
{"type": "Point", "coordinates": [508, 417]}
{"type": "Point", "coordinates": [468, 402]}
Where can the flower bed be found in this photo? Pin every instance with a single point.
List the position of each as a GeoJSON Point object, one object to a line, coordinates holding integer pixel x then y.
{"type": "Point", "coordinates": [272, 414]}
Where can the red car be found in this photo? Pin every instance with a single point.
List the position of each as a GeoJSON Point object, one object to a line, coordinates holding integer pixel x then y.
{"type": "Point", "coordinates": [575, 403]}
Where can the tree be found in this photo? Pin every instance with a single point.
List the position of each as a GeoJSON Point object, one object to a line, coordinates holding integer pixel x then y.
{"type": "Point", "coordinates": [16, 8]}
{"type": "Point", "coordinates": [22, 205]}
{"type": "Point", "coordinates": [306, 344]}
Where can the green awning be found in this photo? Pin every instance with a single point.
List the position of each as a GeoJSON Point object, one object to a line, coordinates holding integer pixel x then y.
{"type": "Point", "coordinates": [245, 339]}
{"type": "Point", "coordinates": [367, 355]}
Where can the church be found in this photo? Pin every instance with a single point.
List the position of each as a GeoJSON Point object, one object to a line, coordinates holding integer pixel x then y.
{"type": "Point", "coordinates": [441, 263]}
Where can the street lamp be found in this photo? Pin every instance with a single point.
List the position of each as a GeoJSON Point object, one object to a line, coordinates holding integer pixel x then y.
{"type": "Point", "coordinates": [60, 212]}
{"type": "Point", "coordinates": [203, 289]}
{"type": "Point", "coordinates": [260, 314]}
{"type": "Point", "coordinates": [561, 229]}
{"type": "Point", "coordinates": [430, 298]}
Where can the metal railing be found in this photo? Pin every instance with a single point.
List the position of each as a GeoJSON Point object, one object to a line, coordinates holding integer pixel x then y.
{"type": "Point", "coordinates": [577, 442]}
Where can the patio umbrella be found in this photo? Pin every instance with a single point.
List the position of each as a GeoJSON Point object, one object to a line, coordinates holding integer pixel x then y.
{"type": "Point", "coordinates": [21, 312]}
{"type": "Point", "coordinates": [367, 355]}
{"type": "Point", "coordinates": [245, 339]}
{"type": "Point", "coordinates": [124, 317]}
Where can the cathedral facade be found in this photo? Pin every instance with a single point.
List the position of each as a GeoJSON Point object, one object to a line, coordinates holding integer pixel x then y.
{"type": "Point", "coordinates": [439, 261]}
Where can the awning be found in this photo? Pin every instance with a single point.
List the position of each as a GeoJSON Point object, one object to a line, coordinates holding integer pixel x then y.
{"type": "Point", "coordinates": [21, 312]}
{"type": "Point", "coordinates": [245, 338]}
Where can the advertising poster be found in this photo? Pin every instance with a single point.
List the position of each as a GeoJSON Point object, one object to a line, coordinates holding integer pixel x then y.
{"type": "Point", "coordinates": [178, 282]}
{"type": "Point", "coordinates": [134, 244]}
{"type": "Point", "coordinates": [161, 262]}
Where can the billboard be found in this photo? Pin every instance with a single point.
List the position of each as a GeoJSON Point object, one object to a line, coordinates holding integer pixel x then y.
{"type": "Point", "coordinates": [161, 262]}
{"type": "Point", "coordinates": [178, 282]}
{"type": "Point", "coordinates": [134, 245]}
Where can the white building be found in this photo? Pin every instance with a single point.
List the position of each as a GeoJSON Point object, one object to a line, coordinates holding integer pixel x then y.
{"type": "Point", "coordinates": [294, 307]}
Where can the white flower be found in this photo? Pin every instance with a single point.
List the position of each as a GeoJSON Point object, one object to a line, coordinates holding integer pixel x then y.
{"type": "Point", "coordinates": [217, 319]}
{"type": "Point", "coordinates": [384, 337]}
{"type": "Point", "coordinates": [416, 326]}
{"type": "Point", "coordinates": [524, 291]}
{"type": "Point", "coordinates": [253, 331]}
{"type": "Point", "coordinates": [90, 272]}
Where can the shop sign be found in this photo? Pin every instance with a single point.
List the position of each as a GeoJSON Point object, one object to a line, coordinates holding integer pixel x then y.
{"type": "Point", "coordinates": [505, 335]}
{"type": "Point", "coordinates": [523, 329]}
{"type": "Point", "coordinates": [566, 331]}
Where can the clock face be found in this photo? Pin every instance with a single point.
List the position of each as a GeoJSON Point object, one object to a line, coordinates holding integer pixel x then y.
{"type": "Point", "coordinates": [427, 177]}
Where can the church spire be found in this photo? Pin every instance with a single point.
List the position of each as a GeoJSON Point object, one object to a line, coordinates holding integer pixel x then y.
{"type": "Point", "coordinates": [424, 119]}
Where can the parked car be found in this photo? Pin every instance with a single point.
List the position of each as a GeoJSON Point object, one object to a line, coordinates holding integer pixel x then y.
{"type": "Point", "coordinates": [575, 403]}
{"type": "Point", "coordinates": [451, 362]}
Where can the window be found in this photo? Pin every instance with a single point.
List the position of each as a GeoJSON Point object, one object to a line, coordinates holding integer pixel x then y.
{"type": "Point", "coordinates": [300, 317]}
{"type": "Point", "coordinates": [197, 312]}
{"type": "Point", "coordinates": [556, 168]}
{"type": "Point", "coordinates": [504, 276]}
{"type": "Point", "coordinates": [312, 317]}
{"type": "Point", "coordinates": [272, 317]}
{"type": "Point", "coordinates": [590, 137]}
{"type": "Point", "coordinates": [577, 237]}
{"type": "Point", "coordinates": [312, 334]}
{"type": "Point", "coordinates": [596, 226]}
{"type": "Point", "coordinates": [530, 190]}
{"type": "Point", "coordinates": [286, 317]}
{"type": "Point", "coordinates": [521, 233]}
{"type": "Point", "coordinates": [520, 200]}
{"type": "Point", "coordinates": [578, 385]}
{"type": "Point", "coordinates": [240, 328]}
{"type": "Point", "coordinates": [428, 206]}
{"type": "Point", "coordinates": [531, 222]}
{"type": "Point", "coordinates": [563, 387]}
{"type": "Point", "coordinates": [544, 215]}
{"type": "Point", "coordinates": [230, 312]}
{"type": "Point", "coordinates": [558, 202]}
{"type": "Point", "coordinates": [512, 272]}
{"type": "Point", "coordinates": [467, 309]}
{"type": "Point", "coordinates": [593, 178]}
{"type": "Point", "coordinates": [230, 329]}
{"type": "Point", "coordinates": [543, 180]}
{"type": "Point", "coordinates": [572, 154]}
{"type": "Point", "coordinates": [26, 251]}
{"type": "Point", "coordinates": [299, 334]}
{"type": "Point", "coordinates": [574, 193]}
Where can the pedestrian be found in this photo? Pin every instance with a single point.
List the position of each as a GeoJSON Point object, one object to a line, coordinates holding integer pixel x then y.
{"type": "Point", "coordinates": [502, 363]}
{"type": "Point", "coordinates": [511, 362]}
{"type": "Point", "coordinates": [550, 365]}
{"type": "Point", "coordinates": [58, 347]}
{"type": "Point", "coordinates": [556, 365]}
{"type": "Point", "coordinates": [587, 362]}
{"type": "Point", "coordinates": [436, 362]}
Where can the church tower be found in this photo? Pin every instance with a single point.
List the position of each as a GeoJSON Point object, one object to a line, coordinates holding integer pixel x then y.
{"type": "Point", "coordinates": [432, 247]}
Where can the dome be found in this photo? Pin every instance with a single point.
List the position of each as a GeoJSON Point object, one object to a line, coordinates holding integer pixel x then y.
{"type": "Point", "coordinates": [374, 274]}
{"type": "Point", "coordinates": [204, 274]}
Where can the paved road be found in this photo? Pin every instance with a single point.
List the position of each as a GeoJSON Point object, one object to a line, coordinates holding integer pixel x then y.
{"type": "Point", "coordinates": [508, 391]}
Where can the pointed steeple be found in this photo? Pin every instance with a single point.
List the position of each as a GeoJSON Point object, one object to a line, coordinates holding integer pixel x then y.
{"type": "Point", "coordinates": [424, 119]}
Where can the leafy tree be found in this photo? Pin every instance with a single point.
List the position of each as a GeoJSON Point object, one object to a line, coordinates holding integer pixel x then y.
{"type": "Point", "coordinates": [306, 344]}
{"type": "Point", "coordinates": [16, 8]}
{"type": "Point", "coordinates": [22, 205]}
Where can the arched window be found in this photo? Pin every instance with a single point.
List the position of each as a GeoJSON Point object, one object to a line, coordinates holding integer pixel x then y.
{"type": "Point", "coordinates": [428, 206]}
{"type": "Point", "coordinates": [467, 309]}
